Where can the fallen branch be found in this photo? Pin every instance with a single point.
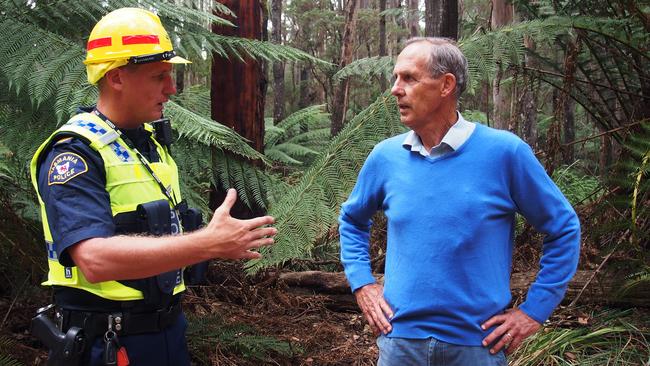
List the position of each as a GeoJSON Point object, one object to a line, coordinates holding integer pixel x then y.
{"type": "Point", "coordinates": [585, 287]}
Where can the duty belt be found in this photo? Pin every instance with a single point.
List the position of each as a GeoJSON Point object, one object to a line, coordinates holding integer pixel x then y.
{"type": "Point", "coordinates": [123, 322]}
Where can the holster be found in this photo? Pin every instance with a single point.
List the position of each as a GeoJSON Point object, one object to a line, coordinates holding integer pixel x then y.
{"type": "Point", "coordinates": [66, 349]}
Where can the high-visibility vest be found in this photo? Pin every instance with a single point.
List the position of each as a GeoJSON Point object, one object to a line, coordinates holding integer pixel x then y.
{"type": "Point", "coordinates": [128, 184]}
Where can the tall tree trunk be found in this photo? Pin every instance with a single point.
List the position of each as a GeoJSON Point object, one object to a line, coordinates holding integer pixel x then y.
{"type": "Point", "coordinates": [605, 156]}
{"type": "Point", "coordinates": [237, 88]}
{"type": "Point", "coordinates": [569, 130]}
{"type": "Point", "coordinates": [382, 41]}
{"type": "Point", "coordinates": [413, 17]}
{"type": "Point", "coordinates": [430, 18]}
{"type": "Point", "coordinates": [570, 67]}
{"type": "Point", "coordinates": [180, 79]}
{"type": "Point", "coordinates": [400, 21]}
{"type": "Point", "coordinates": [501, 15]}
{"type": "Point", "coordinates": [529, 98]}
{"type": "Point", "coordinates": [341, 95]}
{"type": "Point", "coordinates": [306, 96]}
{"type": "Point", "coordinates": [278, 67]}
{"type": "Point", "coordinates": [441, 18]}
{"type": "Point", "coordinates": [554, 135]}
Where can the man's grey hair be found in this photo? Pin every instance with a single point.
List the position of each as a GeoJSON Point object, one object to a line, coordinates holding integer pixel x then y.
{"type": "Point", "coordinates": [445, 57]}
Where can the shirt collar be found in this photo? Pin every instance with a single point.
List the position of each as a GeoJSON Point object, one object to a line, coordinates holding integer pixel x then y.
{"type": "Point", "coordinates": [454, 138]}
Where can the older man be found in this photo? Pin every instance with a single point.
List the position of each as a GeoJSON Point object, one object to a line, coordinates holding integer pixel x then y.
{"type": "Point", "coordinates": [450, 190]}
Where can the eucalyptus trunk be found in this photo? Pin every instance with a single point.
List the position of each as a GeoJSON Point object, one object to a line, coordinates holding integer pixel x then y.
{"type": "Point", "coordinates": [529, 97]}
{"type": "Point", "coordinates": [238, 89]}
{"type": "Point", "coordinates": [278, 67]}
{"type": "Point", "coordinates": [382, 40]}
{"type": "Point", "coordinates": [501, 15]}
{"type": "Point", "coordinates": [413, 17]}
{"type": "Point", "coordinates": [441, 18]}
{"type": "Point", "coordinates": [340, 103]}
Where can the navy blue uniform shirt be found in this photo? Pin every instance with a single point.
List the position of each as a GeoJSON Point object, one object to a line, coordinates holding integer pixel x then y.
{"type": "Point", "coordinates": [78, 207]}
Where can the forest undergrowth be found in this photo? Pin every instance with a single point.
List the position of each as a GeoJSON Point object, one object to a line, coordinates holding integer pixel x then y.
{"type": "Point", "coordinates": [252, 320]}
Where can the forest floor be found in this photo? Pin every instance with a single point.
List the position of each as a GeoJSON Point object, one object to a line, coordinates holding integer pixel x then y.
{"type": "Point", "coordinates": [240, 320]}
{"type": "Point", "coordinates": [247, 324]}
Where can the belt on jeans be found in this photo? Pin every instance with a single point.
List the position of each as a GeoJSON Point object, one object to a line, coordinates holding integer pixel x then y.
{"type": "Point", "coordinates": [123, 322]}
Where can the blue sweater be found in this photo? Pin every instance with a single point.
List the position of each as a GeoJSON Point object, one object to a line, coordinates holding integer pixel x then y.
{"type": "Point", "coordinates": [451, 223]}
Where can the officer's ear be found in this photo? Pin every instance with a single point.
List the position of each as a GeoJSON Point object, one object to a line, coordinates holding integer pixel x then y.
{"type": "Point", "coordinates": [114, 79]}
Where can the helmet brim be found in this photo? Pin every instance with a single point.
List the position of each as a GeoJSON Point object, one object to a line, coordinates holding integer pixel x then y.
{"type": "Point", "coordinates": [178, 60]}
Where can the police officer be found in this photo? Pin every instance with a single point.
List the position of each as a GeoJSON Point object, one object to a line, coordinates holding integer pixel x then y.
{"type": "Point", "coordinates": [112, 210]}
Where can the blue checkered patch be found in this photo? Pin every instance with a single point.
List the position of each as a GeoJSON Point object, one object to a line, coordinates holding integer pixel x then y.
{"type": "Point", "coordinates": [51, 252]}
{"type": "Point", "coordinates": [120, 151]}
{"type": "Point", "coordinates": [90, 126]}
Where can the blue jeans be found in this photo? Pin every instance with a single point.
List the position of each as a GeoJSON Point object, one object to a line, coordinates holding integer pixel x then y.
{"type": "Point", "coordinates": [432, 352]}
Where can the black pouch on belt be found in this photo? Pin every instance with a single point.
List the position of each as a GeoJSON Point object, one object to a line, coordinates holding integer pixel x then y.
{"type": "Point", "coordinates": [154, 218]}
{"type": "Point", "coordinates": [192, 219]}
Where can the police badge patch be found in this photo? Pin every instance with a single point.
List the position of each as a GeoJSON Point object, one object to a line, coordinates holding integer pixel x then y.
{"type": "Point", "coordinates": [64, 167]}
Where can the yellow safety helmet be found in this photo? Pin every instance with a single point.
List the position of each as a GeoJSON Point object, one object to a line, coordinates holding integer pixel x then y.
{"type": "Point", "coordinates": [127, 35]}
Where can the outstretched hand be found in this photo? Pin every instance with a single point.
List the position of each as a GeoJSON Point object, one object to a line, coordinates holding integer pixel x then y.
{"type": "Point", "coordinates": [376, 310]}
{"type": "Point", "coordinates": [515, 326]}
{"type": "Point", "coordinates": [232, 238]}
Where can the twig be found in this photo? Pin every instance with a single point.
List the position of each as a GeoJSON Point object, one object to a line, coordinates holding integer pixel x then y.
{"type": "Point", "coordinates": [316, 263]}
{"type": "Point", "coordinates": [605, 133]}
{"type": "Point", "coordinates": [575, 300]}
{"type": "Point", "coordinates": [540, 71]}
{"type": "Point", "coordinates": [14, 301]}
{"type": "Point", "coordinates": [17, 247]}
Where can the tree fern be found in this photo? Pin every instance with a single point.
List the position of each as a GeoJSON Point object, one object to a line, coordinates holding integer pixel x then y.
{"type": "Point", "coordinates": [44, 46]}
{"type": "Point", "coordinates": [31, 43]}
{"type": "Point", "coordinates": [290, 141]}
{"type": "Point", "coordinates": [310, 208]}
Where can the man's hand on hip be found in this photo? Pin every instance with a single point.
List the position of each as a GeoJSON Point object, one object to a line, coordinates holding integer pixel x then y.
{"type": "Point", "coordinates": [376, 310]}
{"type": "Point", "coordinates": [515, 326]}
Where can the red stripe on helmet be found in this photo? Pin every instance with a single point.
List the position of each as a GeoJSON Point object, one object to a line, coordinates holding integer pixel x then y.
{"type": "Point", "coordinates": [99, 42]}
{"type": "Point", "coordinates": [141, 39]}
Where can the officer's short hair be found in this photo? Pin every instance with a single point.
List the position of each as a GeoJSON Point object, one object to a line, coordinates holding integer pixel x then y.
{"type": "Point", "coordinates": [445, 57]}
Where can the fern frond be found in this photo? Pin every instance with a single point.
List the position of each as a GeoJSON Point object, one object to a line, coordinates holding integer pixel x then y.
{"type": "Point", "coordinates": [310, 208]}
{"type": "Point", "coordinates": [281, 157]}
{"type": "Point", "coordinates": [239, 48]}
{"type": "Point", "coordinates": [306, 118]}
{"type": "Point", "coordinates": [286, 143]}
{"type": "Point", "coordinates": [381, 66]}
{"type": "Point", "coordinates": [195, 98]}
{"type": "Point", "coordinates": [208, 132]}
{"type": "Point", "coordinates": [6, 345]}
{"type": "Point", "coordinates": [55, 59]}
{"type": "Point", "coordinates": [634, 281]}
{"type": "Point", "coordinates": [204, 332]}
{"type": "Point", "coordinates": [251, 182]}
